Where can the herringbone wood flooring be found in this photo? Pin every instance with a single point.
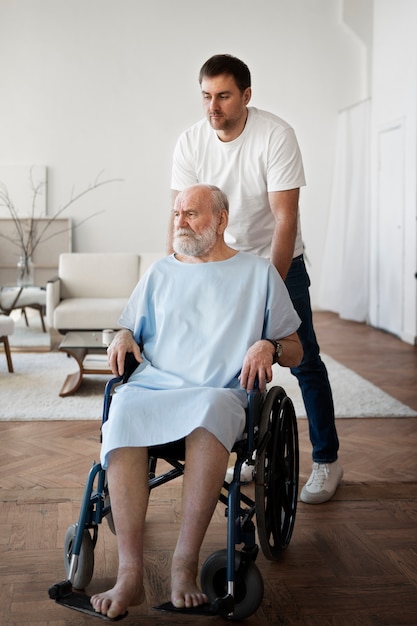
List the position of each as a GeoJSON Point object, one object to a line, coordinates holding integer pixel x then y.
{"type": "Point", "coordinates": [351, 562]}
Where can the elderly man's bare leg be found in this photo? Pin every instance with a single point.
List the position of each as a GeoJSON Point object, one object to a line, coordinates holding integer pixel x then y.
{"type": "Point", "coordinates": [128, 487]}
{"type": "Point", "coordinates": [205, 467]}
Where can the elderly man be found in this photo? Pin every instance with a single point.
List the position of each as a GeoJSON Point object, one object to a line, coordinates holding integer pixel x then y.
{"type": "Point", "coordinates": [210, 320]}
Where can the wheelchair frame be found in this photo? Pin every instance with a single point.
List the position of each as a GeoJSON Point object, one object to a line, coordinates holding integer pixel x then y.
{"type": "Point", "coordinates": [230, 578]}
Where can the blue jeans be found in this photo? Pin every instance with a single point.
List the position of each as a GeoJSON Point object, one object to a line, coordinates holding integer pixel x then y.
{"type": "Point", "coordinates": [312, 373]}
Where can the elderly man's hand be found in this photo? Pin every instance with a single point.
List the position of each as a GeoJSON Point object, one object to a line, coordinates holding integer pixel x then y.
{"type": "Point", "coordinates": [123, 343]}
{"type": "Point", "coordinates": [257, 366]}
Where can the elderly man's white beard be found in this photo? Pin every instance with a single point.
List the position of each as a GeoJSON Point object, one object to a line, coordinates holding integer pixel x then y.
{"type": "Point", "coordinates": [189, 243]}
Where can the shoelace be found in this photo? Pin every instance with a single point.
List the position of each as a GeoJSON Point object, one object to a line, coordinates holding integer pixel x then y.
{"type": "Point", "coordinates": [319, 475]}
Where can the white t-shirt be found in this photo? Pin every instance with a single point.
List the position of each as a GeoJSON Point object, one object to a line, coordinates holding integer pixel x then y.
{"type": "Point", "coordinates": [264, 158]}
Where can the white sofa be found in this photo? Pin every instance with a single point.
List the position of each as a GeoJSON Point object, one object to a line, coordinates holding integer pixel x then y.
{"type": "Point", "coordinates": [91, 289]}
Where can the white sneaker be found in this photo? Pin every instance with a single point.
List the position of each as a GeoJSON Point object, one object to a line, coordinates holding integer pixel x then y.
{"type": "Point", "coordinates": [246, 473]}
{"type": "Point", "coordinates": [322, 484]}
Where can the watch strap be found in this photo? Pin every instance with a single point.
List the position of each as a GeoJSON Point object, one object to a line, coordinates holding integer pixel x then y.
{"type": "Point", "coordinates": [277, 349]}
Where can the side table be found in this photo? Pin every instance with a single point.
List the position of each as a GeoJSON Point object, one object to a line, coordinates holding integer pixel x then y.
{"type": "Point", "coordinates": [87, 349]}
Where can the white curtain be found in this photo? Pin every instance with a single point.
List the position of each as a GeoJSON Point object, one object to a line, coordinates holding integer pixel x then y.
{"type": "Point", "coordinates": [343, 286]}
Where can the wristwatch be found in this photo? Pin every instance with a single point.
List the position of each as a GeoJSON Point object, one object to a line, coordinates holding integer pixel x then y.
{"type": "Point", "coordinates": [278, 350]}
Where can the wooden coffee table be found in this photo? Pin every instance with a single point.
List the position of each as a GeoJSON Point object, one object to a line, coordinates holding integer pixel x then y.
{"type": "Point", "coordinates": [88, 350]}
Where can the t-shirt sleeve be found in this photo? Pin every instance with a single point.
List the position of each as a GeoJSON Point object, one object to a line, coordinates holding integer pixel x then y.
{"type": "Point", "coordinates": [285, 165]}
{"type": "Point", "coordinates": [281, 319]}
{"type": "Point", "coordinates": [183, 167]}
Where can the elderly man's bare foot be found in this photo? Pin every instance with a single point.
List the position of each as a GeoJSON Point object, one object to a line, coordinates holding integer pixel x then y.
{"type": "Point", "coordinates": [184, 590]}
{"type": "Point", "coordinates": [128, 591]}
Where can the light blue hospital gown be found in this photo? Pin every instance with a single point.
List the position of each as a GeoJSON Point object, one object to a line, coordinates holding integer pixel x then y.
{"type": "Point", "coordinates": [196, 322]}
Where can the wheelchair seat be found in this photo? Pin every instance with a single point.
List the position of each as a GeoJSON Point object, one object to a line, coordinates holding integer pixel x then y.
{"type": "Point", "coordinates": [230, 578]}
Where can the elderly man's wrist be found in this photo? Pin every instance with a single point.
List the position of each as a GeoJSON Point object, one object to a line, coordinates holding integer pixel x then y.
{"type": "Point", "coordinates": [278, 349]}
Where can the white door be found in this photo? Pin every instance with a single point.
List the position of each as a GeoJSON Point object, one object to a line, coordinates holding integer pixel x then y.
{"type": "Point", "coordinates": [390, 225]}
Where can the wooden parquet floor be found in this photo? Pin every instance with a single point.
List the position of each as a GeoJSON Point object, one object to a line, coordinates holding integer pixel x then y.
{"type": "Point", "coordinates": [351, 561]}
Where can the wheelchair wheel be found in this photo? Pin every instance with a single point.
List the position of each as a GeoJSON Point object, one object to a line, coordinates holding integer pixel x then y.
{"type": "Point", "coordinates": [249, 586]}
{"type": "Point", "coordinates": [85, 567]}
{"type": "Point", "coordinates": [276, 477]}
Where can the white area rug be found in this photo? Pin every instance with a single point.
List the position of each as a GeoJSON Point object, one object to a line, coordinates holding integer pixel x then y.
{"type": "Point", "coordinates": [353, 396]}
{"type": "Point", "coordinates": [31, 336]}
{"type": "Point", "coordinates": [32, 392]}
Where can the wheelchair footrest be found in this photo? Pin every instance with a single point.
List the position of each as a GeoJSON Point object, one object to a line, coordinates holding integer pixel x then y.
{"type": "Point", "coordinates": [64, 594]}
{"type": "Point", "coordinates": [203, 609]}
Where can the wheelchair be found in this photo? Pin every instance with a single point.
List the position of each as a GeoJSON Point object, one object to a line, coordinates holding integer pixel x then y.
{"type": "Point", "coordinates": [230, 577]}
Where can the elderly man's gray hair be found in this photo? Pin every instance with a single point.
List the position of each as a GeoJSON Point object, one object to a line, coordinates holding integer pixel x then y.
{"type": "Point", "coordinates": [220, 200]}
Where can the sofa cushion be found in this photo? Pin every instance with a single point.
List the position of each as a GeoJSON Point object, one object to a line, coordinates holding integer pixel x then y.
{"type": "Point", "coordinates": [96, 275]}
{"type": "Point", "coordinates": [88, 313]}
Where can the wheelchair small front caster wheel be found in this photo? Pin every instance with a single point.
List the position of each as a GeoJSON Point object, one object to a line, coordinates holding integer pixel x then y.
{"type": "Point", "coordinates": [85, 566]}
{"type": "Point", "coordinates": [249, 586]}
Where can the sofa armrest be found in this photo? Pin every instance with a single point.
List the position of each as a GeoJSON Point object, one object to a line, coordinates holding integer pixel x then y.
{"type": "Point", "coordinates": [53, 297]}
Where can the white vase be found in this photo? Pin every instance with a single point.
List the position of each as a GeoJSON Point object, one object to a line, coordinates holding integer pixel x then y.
{"type": "Point", "coordinates": [25, 272]}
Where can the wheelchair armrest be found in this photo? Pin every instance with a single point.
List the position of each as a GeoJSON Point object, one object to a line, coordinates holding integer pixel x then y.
{"type": "Point", "coordinates": [130, 365]}
{"type": "Point", "coordinates": [255, 401]}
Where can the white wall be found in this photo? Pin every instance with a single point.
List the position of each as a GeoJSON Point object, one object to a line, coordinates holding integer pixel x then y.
{"type": "Point", "coordinates": [107, 85]}
{"type": "Point", "coordinates": [358, 15]}
{"type": "Point", "coordinates": [395, 101]}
